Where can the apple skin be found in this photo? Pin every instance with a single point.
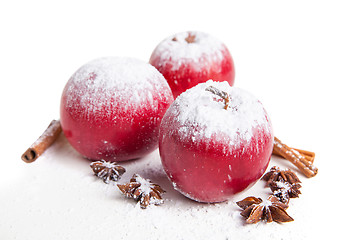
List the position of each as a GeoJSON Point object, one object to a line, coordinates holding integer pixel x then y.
{"type": "Point", "coordinates": [185, 64]}
{"type": "Point", "coordinates": [210, 169]}
{"type": "Point", "coordinates": [104, 116]}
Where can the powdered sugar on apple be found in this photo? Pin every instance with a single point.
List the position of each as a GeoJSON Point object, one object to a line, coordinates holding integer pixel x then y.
{"type": "Point", "coordinates": [244, 113]}
{"type": "Point", "coordinates": [179, 51]}
{"type": "Point", "coordinates": [128, 81]}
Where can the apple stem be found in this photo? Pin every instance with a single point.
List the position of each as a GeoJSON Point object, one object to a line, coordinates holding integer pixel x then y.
{"type": "Point", "coordinates": [222, 94]}
{"type": "Point", "coordinates": [190, 38]}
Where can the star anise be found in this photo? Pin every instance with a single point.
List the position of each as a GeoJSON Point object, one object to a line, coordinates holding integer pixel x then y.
{"type": "Point", "coordinates": [142, 190]}
{"type": "Point", "coordinates": [255, 210]}
{"type": "Point", "coordinates": [107, 170]}
{"type": "Point", "coordinates": [275, 174]}
{"type": "Point", "coordinates": [284, 190]}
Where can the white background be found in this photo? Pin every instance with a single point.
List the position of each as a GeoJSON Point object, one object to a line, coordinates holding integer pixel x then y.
{"type": "Point", "coordinates": [300, 58]}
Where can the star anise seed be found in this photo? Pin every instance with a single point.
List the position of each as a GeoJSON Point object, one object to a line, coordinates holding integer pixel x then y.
{"type": "Point", "coordinates": [255, 209]}
{"type": "Point", "coordinates": [142, 190]}
{"type": "Point", "coordinates": [284, 190]}
{"type": "Point", "coordinates": [275, 174]}
{"type": "Point", "coordinates": [107, 170]}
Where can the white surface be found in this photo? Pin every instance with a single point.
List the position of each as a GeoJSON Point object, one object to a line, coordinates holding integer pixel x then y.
{"type": "Point", "coordinates": [301, 59]}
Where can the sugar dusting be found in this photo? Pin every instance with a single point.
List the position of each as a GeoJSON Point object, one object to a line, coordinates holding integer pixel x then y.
{"type": "Point", "coordinates": [208, 117]}
{"type": "Point", "coordinates": [146, 187]}
{"type": "Point", "coordinates": [178, 50]}
{"type": "Point", "coordinates": [49, 132]}
{"type": "Point", "coordinates": [116, 79]}
{"type": "Point", "coordinates": [74, 200]}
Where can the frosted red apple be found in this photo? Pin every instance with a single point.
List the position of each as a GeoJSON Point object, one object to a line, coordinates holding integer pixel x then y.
{"type": "Point", "coordinates": [210, 153]}
{"type": "Point", "coordinates": [111, 108]}
{"type": "Point", "coordinates": [188, 58]}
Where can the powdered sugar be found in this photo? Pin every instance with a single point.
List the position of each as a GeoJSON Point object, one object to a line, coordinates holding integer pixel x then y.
{"type": "Point", "coordinates": [178, 50]}
{"type": "Point", "coordinates": [145, 186]}
{"type": "Point", "coordinates": [49, 132]}
{"type": "Point", "coordinates": [285, 186]}
{"type": "Point", "coordinates": [201, 113]}
{"type": "Point", "coordinates": [116, 79]}
{"type": "Point", "coordinates": [75, 200]}
{"type": "Point", "coordinates": [266, 203]}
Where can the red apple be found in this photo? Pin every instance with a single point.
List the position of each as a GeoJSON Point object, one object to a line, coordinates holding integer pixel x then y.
{"type": "Point", "coordinates": [111, 108]}
{"type": "Point", "coordinates": [215, 141]}
{"type": "Point", "coordinates": [188, 58]}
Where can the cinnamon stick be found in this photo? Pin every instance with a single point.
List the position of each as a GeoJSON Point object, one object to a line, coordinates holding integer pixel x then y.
{"type": "Point", "coordinates": [310, 156]}
{"type": "Point", "coordinates": [43, 142]}
{"type": "Point", "coordinates": [296, 158]}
